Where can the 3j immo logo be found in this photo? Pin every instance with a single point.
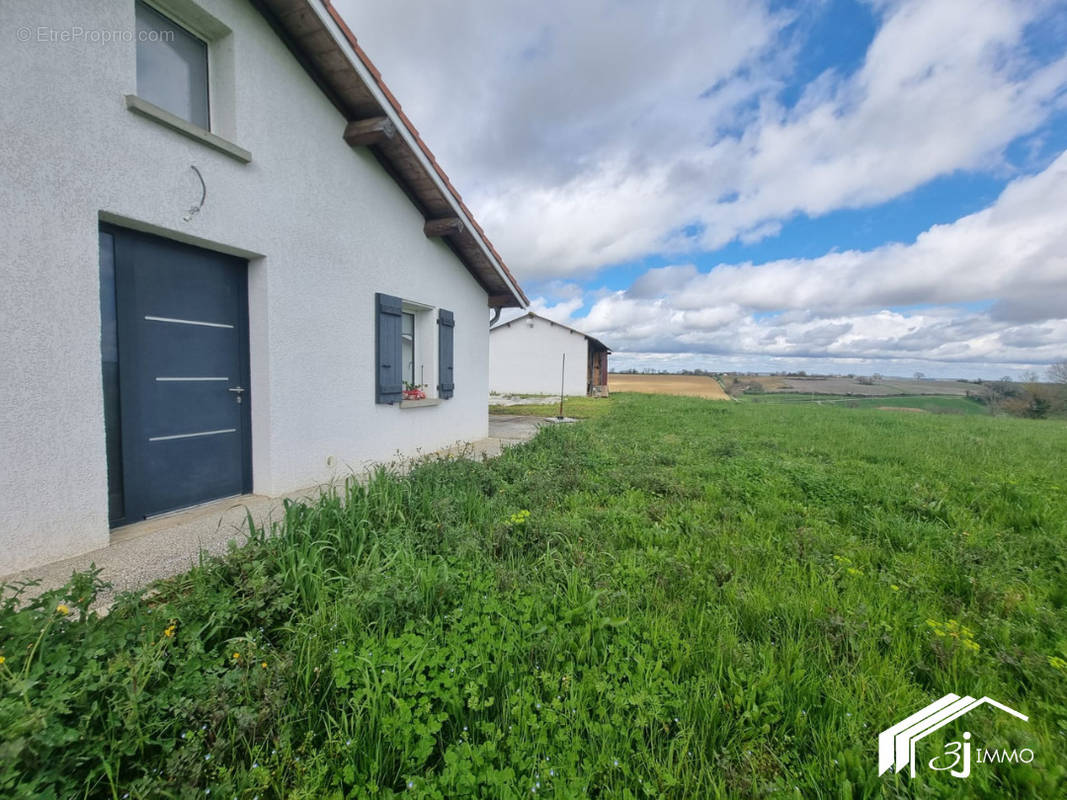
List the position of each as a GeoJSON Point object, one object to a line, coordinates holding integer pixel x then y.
{"type": "Point", "coordinates": [896, 745]}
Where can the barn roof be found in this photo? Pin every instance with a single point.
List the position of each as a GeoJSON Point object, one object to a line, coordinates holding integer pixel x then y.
{"type": "Point", "coordinates": [326, 48]}
{"type": "Point", "coordinates": [531, 315]}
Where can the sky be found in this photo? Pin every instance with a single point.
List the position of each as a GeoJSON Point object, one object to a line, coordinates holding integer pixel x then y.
{"type": "Point", "coordinates": [838, 186]}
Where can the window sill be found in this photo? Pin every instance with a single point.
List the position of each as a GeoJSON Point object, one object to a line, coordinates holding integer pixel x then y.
{"type": "Point", "coordinates": [151, 111]}
{"type": "Point", "coordinates": [429, 401]}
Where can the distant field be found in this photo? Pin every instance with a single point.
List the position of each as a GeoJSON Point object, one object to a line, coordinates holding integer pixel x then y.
{"type": "Point", "coordinates": [683, 385]}
{"type": "Point", "coordinates": [851, 386]}
{"type": "Point", "coordinates": [936, 404]}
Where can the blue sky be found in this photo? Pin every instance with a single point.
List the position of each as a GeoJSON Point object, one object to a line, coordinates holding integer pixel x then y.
{"type": "Point", "coordinates": [830, 185]}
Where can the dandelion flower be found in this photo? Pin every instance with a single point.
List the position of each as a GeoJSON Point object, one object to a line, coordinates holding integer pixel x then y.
{"type": "Point", "coordinates": [62, 609]}
{"type": "Point", "coordinates": [263, 664]}
{"type": "Point", "coordinates": [2, 659]}
{"type": "Point", "coordinates": [236, 656]}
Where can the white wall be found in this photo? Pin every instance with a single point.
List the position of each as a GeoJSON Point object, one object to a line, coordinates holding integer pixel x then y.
{"type": "Point", "coordinates": [526, 357]}
{"type": "Point", "coordinates": [325, 225]}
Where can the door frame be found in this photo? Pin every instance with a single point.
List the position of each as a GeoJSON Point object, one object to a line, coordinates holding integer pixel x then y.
{"type": "Point", "coordinates": [130, 418]}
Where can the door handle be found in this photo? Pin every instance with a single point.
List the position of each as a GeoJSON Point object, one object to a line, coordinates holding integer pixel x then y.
{"type": "Point", "coordinates": [237, 390]}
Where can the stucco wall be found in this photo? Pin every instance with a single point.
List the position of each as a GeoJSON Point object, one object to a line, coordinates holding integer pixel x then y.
{"type": "Point", "coordinates": [324, 226]}
{"type": "Point", "coordinates": [526, 357]}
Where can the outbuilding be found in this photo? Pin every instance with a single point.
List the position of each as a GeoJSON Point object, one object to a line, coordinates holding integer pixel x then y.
{"type": "Point", "coordinates": [534, 355]}
{"type": "Point", "coordinates": [231, 266]}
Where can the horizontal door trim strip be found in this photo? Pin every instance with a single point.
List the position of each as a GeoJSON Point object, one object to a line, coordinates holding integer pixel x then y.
{"type": "Point", "coordinates": [190, 435]}
{"type": "Point", "coordinates": [191, 379]}
{"type": "Point", "coordinates": [188, 322]}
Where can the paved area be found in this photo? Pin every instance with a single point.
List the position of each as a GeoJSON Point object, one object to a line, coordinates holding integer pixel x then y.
{"type": "Point", "coordinates": [514, 428]}
{"type": "Point", "coordinates": [169, 545]}
{"type": "Point", "coordinates": [522, 400]}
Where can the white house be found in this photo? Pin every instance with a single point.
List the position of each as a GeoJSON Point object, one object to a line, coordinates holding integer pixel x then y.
{"type": "Point", "coordinates": [226, 252]}
{"type": "Point", "coordinates": [534, 355]}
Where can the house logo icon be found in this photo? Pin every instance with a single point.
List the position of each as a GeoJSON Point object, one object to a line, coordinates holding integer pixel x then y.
{"type": "Point", "coordinates": [896, 745]}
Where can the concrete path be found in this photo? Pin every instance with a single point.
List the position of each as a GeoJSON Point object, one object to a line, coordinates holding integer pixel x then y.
{"type": "Point", "coordinates": [169, 545]}
{"type": "Point", "coordinates": [522, 400]}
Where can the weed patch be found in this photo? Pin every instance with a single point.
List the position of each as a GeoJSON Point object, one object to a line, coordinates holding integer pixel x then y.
{"type": "Point", "coordinates": [675, 599]}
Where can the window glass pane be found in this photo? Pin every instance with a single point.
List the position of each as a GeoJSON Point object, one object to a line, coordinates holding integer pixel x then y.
{"type": "Point", "coordinates": [171, 67]}
{"type": "Point", "coordinates": [109, 360]}
{"type": "Point", "coordinates": [407, 336]}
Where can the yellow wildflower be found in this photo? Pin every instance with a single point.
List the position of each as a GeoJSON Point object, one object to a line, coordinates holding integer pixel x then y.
{"type": "Point", "coordinates": [519, 517]}
{"type": "Point", "coordinates": [169, 631]}
{"type": "Point", "coordinates": [2, 659]}
{"type": "Point", "coordinates": [236, 656]}
{"type": "Point", "coordinates": [263, 664]}
{"type": "Point", "coordinates": [954, 630]}
{"type": "Point", "coordinates": [62, 609]}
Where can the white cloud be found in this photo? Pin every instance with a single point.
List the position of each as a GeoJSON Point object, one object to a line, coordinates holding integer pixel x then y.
{"type": "Point", "coordinates": [837, 306]}
{"type": "Point", "coordinates": [590, 133]}
{"type": "Point", "coordinates": [587, 134]}
{"type": "Point", "coordinates": [1015, 250]}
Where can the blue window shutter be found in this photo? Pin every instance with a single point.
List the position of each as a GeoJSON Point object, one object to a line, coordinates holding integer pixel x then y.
{"type": "Point", "coordinates": [446, 327]}
{"type": "Point", "coordinates": [389, 381]}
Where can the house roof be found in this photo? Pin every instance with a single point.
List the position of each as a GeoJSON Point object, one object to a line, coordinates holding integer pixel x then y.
{"type": "Point", "coordinates": [327, 49]}
{"type": "Point", "coordinates": [531, 315]}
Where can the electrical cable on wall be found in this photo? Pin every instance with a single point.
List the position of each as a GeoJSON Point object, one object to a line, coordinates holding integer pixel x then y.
{"type": "Point", "coordinates": [194, 210]}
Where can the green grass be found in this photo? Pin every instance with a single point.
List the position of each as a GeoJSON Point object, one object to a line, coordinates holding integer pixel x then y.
{"type": "Point", "coordinates": [679, 598]}
{"type": "Point", "coordinates": [936, 404]}
{"type": "Point", "coordinates": [933, 403]}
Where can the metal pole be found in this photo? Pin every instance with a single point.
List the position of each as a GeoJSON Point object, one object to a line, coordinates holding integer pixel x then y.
{"type": "Point", "coordinates": [562, 381]}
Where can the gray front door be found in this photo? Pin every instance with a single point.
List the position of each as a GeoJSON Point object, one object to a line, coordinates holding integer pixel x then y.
{"type": "Point", "coordinates": [181, 317]}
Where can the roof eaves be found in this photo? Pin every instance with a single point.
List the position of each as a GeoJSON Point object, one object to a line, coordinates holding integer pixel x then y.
{"type": "Point", "coordinates": [407, 127]}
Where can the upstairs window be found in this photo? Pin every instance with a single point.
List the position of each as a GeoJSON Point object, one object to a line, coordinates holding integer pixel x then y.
{"type": "Point", "coordinates": [172, 67]}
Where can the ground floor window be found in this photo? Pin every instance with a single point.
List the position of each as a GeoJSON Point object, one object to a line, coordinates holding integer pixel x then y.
{"type": "Point", "coordinates": [407, 340]}
{"type": "Point", "coordinates": [414, 350]}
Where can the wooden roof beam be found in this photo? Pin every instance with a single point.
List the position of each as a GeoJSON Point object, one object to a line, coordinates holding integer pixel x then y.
{"type": "Point", "coordinates": [443, 226]}
{"type": "Point", "coordinates": [366, 132]}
